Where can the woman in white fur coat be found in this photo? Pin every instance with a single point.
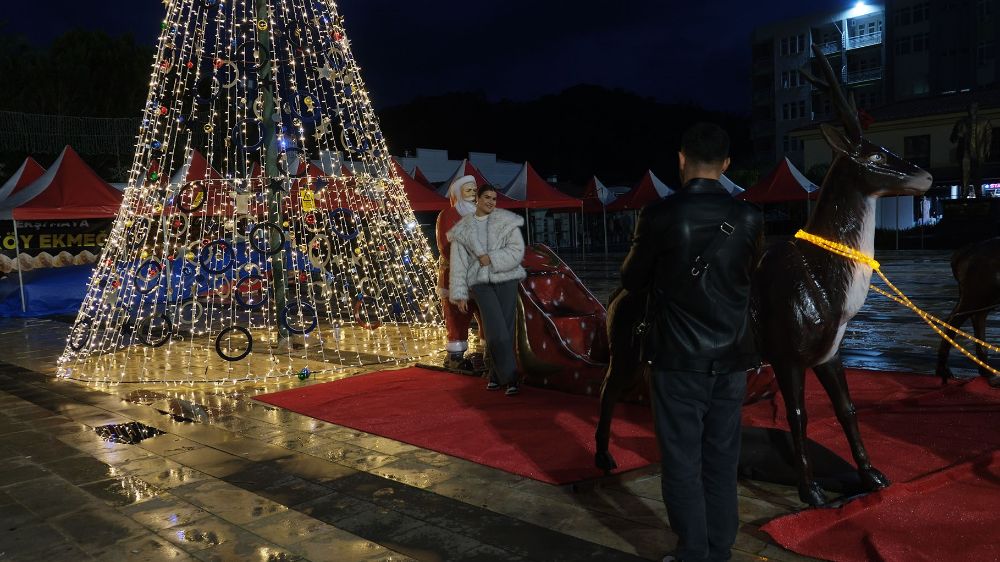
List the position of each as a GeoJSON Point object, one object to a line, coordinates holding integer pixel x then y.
{"type": "Point", "coordinates": [486, 253]}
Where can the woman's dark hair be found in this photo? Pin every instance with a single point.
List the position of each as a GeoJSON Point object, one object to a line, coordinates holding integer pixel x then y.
{"type": "Point", "coordinates": [484, 188]}
{"type": "Point", "coordinates": [706, 143]}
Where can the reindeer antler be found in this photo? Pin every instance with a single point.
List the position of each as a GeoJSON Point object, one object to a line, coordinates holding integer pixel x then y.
{"type": "Point", "coordinates": [845, 106]}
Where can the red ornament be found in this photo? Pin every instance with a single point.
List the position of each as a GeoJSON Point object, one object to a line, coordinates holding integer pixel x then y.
{"type": "Point", "coordinates": [219, 63]}
{"type": "Point", "coordinates": [190, 64]}
{"type": "Point", "coordinates": [163, 110]}
{"type": "Point", "coordinates": [338, 36]}
{"type": "Point", "coordinates": [115, 284]}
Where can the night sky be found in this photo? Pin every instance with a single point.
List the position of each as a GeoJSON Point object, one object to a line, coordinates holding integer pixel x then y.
{"type": "Point", "coordinates": [515, 49]}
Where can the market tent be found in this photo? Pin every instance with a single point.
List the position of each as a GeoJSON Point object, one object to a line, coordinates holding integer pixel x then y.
{"type": "Point", "coordinates": [464, 169]}
{"type": "Point", "coordinates": [529, 187]}
{"type": "Point", "coordinates": [197, 168]}
{"type": "Point", "coordinates": [731, 186]}
{"type": "Point", "coordinates": [784, 184]}
{"type": "Point", "coordinates": [23, 177]}
{"type": "Point", "coordinates": [70, 189]}
{"type": "Point", "coordinates": [596, 196]}
{"type": "Point", "coordinates": [418, 175]}
{"type": "Point", "coordinates": [420, 198]}
{"type": "Point", "coordinates": [467, 169]}
{"type": "Point", "coordinates": [649, 189]}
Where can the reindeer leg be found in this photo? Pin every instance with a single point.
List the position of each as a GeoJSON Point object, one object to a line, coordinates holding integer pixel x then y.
{"type": "Point", "coordinates": [831, 375]}
{"type": "Point", "coordinates": [791, 381]}
{"type": "Point", "coordinates": [621, 373]}
{"type": "Point", "coordinates": [956, 319]}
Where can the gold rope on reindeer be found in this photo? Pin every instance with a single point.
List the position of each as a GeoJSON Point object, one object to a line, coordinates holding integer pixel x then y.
{"type": "Point", "coordinates": [930, 319]}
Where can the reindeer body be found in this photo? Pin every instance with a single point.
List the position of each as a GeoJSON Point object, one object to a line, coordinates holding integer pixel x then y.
{"type": "Point", "coordinates": [803, 295]}
{"type": "Point", "coordinates": [977, 269]}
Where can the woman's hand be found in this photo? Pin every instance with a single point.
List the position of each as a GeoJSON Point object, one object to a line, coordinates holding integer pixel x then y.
{"type": "Point", "coordinates": [484, 260]}
{"type": "Point", "coordinates": [462, 305]}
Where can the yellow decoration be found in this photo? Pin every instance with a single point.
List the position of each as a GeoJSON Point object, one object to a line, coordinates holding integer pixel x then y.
{"type": "Point", "coordinates": [308, 200]}
{"type": "Point", "coordinates": [262, 25]}
{"type": "Point", "coordinates": [933, 321]}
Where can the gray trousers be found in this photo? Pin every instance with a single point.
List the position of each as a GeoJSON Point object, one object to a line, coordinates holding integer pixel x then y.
{"type": "Point", "coordinates": [497, 304]}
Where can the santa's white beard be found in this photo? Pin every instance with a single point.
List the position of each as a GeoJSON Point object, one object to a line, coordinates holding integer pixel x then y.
{"type": "Point", "coordinates": [465, 207]}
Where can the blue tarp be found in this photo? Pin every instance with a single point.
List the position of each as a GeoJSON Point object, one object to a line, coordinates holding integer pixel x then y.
{"type": "Point", "coordinates": [48, 291]}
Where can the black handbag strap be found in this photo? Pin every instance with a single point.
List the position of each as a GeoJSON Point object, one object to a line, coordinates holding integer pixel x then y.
{"type": "Point", "coordinates": [726, 229]}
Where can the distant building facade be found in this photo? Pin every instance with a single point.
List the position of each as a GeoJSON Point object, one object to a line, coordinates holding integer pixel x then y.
{"type": "Point", "coordinates": [886, 53]}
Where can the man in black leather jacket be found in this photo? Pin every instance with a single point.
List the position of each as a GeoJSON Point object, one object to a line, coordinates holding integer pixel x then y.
{"type": "Point", "coordinates": [694, 253]}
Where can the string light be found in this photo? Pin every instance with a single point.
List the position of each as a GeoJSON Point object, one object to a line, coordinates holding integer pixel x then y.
{"type": "Point", "coordinates": [939, 326]}
{"type": "Point", "coordinates": [259, 152]}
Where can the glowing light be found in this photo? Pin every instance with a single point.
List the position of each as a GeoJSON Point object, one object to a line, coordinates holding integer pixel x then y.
{"type": "Point", "coordinates": [183, 241]}
{"type": "Point", "coordinates": [861, 8]}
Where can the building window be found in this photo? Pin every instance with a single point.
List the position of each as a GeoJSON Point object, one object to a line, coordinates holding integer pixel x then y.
{"type": "Point", "coordinates": [984, 8]}
{"type": "Point", "coordinates": [784, 46]}
{"type": "Point", "coordinates": [784, 143]}
{"type": "Point", "coordinates": [802, 109]}
{"type": "Point", "coordinates": [917, 149]}
{"type": "Point", "coordinates": [903, 16]}
{"type": "Point", "coordinates": [785, 112]}
{"type": "Point", "coordinates": [802, 43]}
{"type": "Point", "coordinates": [921, 42]}
{"type": "Point", "coordinates": [921, 12]}
{"type": "Point", "coordinates": [985, 53]}
{"type": "Point", "coordinates": [903, 46]}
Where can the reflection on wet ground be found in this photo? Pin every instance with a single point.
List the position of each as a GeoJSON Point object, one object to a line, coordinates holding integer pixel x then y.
{"type": "Point", "coordinates": [214, 475]}
{"type": "Point", "coordinates": [128, 433]}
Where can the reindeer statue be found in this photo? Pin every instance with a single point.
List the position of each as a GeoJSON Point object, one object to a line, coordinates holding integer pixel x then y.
{"type": "Point", "coordinates": [803, 296]}
{"type": "Point", "coordinates": [977, 269]}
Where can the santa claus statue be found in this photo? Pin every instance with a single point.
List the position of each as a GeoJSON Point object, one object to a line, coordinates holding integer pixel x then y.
{"type": "Point", "coordinates": [462, 194]}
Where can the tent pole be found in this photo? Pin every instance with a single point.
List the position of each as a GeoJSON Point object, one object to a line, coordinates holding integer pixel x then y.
{"type": "Point", "coordinates": [17, 256]}
{"type": "Point", "coordinates": [604, 216]}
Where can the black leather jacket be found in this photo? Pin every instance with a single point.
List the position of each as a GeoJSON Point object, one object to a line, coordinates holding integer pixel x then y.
{"type": "Point", "coordinates": [701, 324]}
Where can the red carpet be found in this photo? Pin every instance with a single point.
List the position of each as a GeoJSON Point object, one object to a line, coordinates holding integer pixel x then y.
{"type": "Point", "coordinates": [541, 434]}
{"type": "Point", "coordinates": [939, 446]}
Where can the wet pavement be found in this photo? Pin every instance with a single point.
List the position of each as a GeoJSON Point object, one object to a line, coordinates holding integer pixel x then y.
{"type": "Point", "coordinates": [202, 472]}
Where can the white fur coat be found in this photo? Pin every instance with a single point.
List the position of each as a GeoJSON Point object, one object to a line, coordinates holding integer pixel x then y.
{"type": "Point", "coordinates": [505, 246]}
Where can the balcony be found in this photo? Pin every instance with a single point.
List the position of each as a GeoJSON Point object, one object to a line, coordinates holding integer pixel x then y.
{"type": "Point", "coordinates": [830, 47]}
{"type": "Point", "coordinates": [866, 40]}
{"type": "Point", "coordinates": [863, 75]}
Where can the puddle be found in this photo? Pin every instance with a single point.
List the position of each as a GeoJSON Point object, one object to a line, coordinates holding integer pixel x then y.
{"type": "Point", "coordinates": [128, 433]}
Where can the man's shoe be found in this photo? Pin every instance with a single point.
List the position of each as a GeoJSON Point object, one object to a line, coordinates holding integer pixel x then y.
{"type": "Point", "coordinates": [512, 390]}
{"type": "Point", "coordinates": [492, 386]}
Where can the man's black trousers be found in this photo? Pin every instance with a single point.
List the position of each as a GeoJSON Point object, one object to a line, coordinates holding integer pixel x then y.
{"type": "Point", "coordinates": [698, 429]}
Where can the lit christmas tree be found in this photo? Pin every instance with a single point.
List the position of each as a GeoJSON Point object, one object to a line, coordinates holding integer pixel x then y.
{"type": "Point", "coordinates": [263, 230]}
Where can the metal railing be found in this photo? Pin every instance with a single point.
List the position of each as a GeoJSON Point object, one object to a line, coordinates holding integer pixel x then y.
{"type": "Point", "coordinates": [863, 75]}
{"type": "Point", "coordinates": [830, 47]}
{"type": "Point", "coordinates": [865, 40]}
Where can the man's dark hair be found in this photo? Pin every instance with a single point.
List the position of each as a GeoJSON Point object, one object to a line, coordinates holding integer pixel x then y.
{"type": "Point", "coordinates": [706, 143]}
{"type": "Point", "coordinates": [484, 188]}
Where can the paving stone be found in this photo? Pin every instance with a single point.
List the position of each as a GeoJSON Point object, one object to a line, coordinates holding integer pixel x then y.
{"type": "Point", "coordinates": [336, 544]}
{"type": "Point", "coordinates": [81, 469]}
{"type": "Point", "coordinates": [25, 543]}
{"type": "Point", "coordinates": [51, 496]}
{"type": "Point", "coordinates": [287, 528]}
{"type": "Point", "coordinates": [144, 548]}
{"type": "Point", "coordinates": [163, 511]}
{"type": "Point", "coordinates": [120, 491]}
{"type": "Point", "coordinates": [96, 529]}
{"type": "Point", "coordinates": [247, 548]}
{"type": "Point", "coordinates": [206, 532]}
